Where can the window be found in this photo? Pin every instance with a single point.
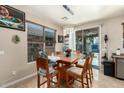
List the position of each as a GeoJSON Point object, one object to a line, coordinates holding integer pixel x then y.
{"type": "Point", "coordinates": [39, 38]}
{"type": "Point", "coordinates": [35, 32]}
{"type": "Point", "coordinates": [49, 35]}
{"type": "Point", "coordinates": [33, 50]}
{"type": "Point", "coordinates": [35, 40]}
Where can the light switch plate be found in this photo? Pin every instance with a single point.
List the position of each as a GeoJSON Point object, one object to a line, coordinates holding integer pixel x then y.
{"type": "Point", "coordinates": [2, 52]}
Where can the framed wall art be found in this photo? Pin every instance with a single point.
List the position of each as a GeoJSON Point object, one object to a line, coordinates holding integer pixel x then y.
{"type": "Point", "coordinates": [60, 39]}
{"type": "Point", "coordinates": [12, 18]}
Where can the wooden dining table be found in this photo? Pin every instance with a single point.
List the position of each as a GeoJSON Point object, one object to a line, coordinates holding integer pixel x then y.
{"type": "Point", "coordinates": [73, 58]}
{"type": "Point", "coordinates": [63, 63]}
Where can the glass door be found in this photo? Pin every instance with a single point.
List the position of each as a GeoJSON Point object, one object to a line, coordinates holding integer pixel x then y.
{"type": "Point", "coordinates": [91, 44]}
{"type": "Point", "coordinates": [79, 41]}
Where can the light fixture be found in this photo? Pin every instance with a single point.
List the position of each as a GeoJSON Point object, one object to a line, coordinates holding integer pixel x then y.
{"type": "Point", "coordinates": [68, 9]}
{"type": "Point", "coordinates": [64, 18]}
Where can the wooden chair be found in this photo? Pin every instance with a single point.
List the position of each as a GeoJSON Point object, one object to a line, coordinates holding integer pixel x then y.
{"type": "Point", "coordinates": [78, 73]}
{"type": "Point", "coordinates": [78, 52]}
{"type": "Point", "coordinates": [58, 52]}
{"type": "Point", "coordinates": [90, 70]}
{"type": "Point", "coordinates": [45, 71]}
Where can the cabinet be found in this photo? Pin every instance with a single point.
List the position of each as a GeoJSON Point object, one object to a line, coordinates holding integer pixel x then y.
{"type": "Point", "coordinates": [120, 68]}
{"type": "Point", "coordinates": [119, 65]}
{"type": "Point", "coordinates": [109, 68]}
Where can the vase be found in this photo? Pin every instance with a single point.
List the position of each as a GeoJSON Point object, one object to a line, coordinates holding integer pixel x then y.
{"type": "Point", "coordinates": [67, 55]}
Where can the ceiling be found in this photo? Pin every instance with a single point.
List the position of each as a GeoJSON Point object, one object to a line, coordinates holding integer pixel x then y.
{"type": "Point", "coordinates": [82, 13]}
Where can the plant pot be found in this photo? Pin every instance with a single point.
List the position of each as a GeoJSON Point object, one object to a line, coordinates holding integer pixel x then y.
{"type": "Point", "coordinates": [67, 55]}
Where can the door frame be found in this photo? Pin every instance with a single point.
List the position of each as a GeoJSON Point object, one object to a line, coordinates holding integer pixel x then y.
{"type": "Point", "coordinates": [99, 33]}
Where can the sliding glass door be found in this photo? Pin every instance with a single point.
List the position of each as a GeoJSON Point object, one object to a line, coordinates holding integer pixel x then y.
{"type": "Point", "coordinates": [91, 44]}
{"type": "Point", "coordinates": [88, 41]}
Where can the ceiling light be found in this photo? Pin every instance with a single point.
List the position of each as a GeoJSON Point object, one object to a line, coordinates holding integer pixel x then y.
{"type": "Point", "coordinates": [64, 18]}
{"type": "Point", "coordinates": [68, 9]}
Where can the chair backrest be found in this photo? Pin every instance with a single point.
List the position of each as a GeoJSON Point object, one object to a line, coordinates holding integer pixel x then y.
{"type": "Point", "coordinates": [43, 54]}
{"type": "Point", "coordinates": [42, 63]}
{"type": "Point", "coordinates": [90, 55]}
{"type": "Point", "coordinates": [85, 66]}
{"type": "Point", "coordinates": [58, 52]}
{"type": "Point", "coordinates": [91, 60]}
{"type": "Point", "coordinates": [78, 52]}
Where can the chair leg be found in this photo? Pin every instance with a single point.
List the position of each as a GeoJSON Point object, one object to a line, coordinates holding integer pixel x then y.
{"type": "Point", "coordinates": [67, 80]}
{"type": "Point", "coordinates": [90, 76]}
{"type": "Point", "coordinates": [58, 79]}
{"type": "Point", "coordinates": [48, 81]}
{"type": "Point", "coordinates": [82, 82]}
{"type": "Point", "coordinates": [87, 81]}
{"type": "Point", "coordinates": [38, 81]}
{"type": "Point", "coordinates": [92, 72]}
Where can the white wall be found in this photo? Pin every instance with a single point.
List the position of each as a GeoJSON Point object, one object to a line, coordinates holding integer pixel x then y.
{"type": "Point", "coordinates": [15, 57]}
{"type": "Point", "coordinates": [113, 28]}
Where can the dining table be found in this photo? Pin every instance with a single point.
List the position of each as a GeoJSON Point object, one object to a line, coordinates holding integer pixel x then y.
{"type": "Point", "coordinates": [63, 63]}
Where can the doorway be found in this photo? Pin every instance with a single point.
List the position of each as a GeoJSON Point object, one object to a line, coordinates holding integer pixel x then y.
{"type": "Point", "coordinates": [88, 40]}
{"type": "Point", "coordinates": [91, 44]}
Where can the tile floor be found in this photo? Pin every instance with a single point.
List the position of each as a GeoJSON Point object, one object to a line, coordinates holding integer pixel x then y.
{"type": "Point", "coordinates": [99, 81]}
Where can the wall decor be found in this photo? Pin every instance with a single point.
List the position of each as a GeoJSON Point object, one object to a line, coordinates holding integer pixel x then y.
{"type": "Point", "coordinates": [60, 39]}
{"type": "Point", "coordinates": [16, 39]}
{"type": "Point", "coordinates": [105, 57]}
{"type": "Point", "coordinates": [105, 38]}
{"type": "Point", "coordinates": [12, 18]}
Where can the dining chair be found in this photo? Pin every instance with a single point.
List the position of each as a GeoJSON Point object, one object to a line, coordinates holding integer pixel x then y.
{"type": "Point", "coordinates": [44, 70]}
{"type": "Point", "coordinates": [78, 52]}
{"type": "Point", "coordinates": [58, 52]}
{"type": "Point", "coordinates": [43, 54]}
{"type": "Point", "coordinates": [90, 70]}
{"type": "Point", "coordinates": [78, 73]}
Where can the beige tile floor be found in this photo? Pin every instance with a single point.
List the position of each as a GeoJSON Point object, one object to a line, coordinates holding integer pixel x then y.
{"type": "Point", "coordinates": [99, 81]}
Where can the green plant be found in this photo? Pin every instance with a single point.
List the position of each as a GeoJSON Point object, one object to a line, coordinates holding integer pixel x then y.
{"type": "Point", "coordinates": [16, 39]}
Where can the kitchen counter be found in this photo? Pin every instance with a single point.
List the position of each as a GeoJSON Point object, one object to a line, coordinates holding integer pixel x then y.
{"type": "Point", "coordinates": [119, 65]}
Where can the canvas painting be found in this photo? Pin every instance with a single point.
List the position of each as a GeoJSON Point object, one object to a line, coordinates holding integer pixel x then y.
{"type": "Point", "coordinates": [12, 18]}
{"type": "Point", "coordinates": [60, 38]}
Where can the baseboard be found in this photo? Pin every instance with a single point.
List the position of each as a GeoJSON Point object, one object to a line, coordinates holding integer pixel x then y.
{"type": "Point", "coordinates": [17, 81]}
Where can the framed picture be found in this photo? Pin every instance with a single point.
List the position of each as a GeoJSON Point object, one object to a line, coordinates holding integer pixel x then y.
{"type": "Point", "coordinates": [12, 18]}
{"type": "Point", "coordinates": [60, 39]}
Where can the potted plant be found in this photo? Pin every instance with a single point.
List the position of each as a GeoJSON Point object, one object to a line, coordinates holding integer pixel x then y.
{"type": "Point", "coordinates": [68, 52]}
